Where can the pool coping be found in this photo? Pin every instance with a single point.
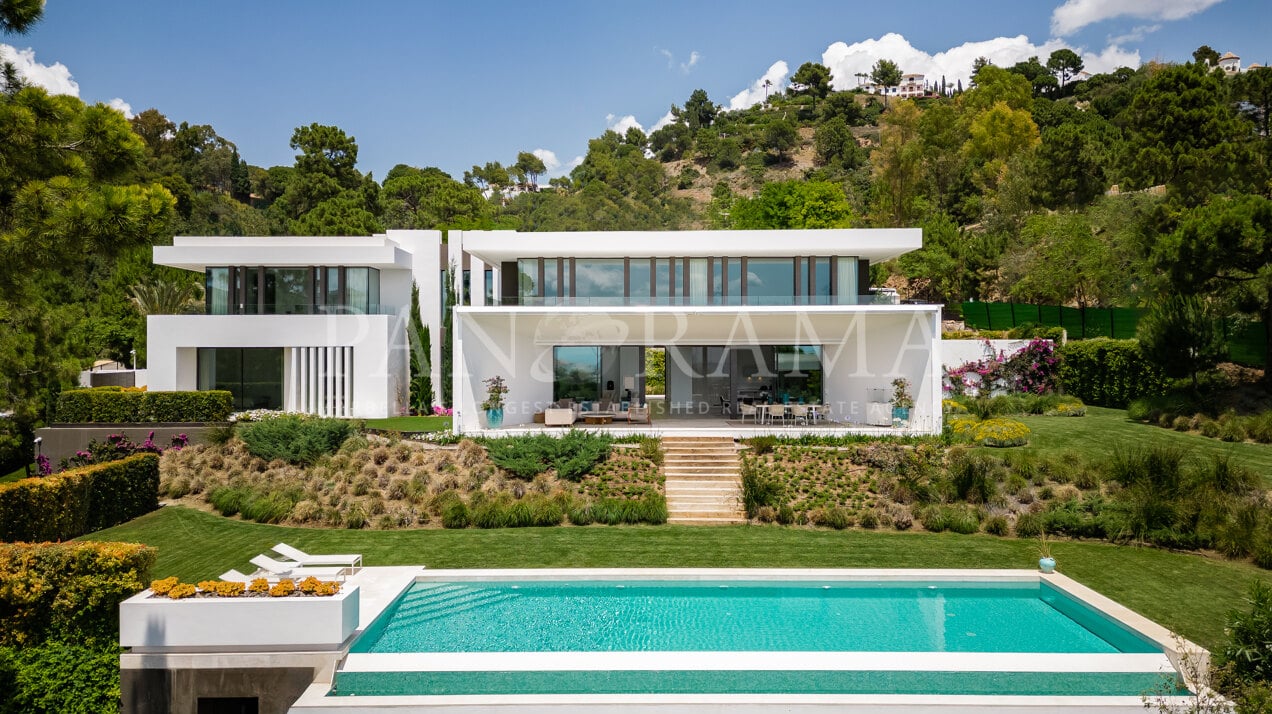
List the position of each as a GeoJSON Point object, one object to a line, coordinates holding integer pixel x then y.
{"type": "Point", "coordinates": [1176, 650]}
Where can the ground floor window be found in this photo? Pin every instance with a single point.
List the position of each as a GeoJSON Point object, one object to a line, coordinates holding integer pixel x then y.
{"type": "Point", "coordinates": [254, 375]}
{"type": "Point", "coordinates": [594, 372]}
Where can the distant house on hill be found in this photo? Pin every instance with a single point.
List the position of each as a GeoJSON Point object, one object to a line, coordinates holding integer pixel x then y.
{"type": "Point", "coordinates": [912, 86]}
{"type": "Point", "coordinates": [1230, 63]}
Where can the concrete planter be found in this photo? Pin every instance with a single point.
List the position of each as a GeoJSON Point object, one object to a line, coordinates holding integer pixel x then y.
{"type": "Point", "coordinates": [241, 624]}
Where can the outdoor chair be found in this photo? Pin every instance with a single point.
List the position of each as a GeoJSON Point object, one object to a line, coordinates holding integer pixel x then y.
{"type": "Point", "coordinates": [234, 576]}
{"type": "Point", "coordinates": [799, 413]}
{"type": "Point", "coordinates": [279, 569]}
{"type": "Point", "coordinates": [349, 560]}
{"type": "Point", "coordinates": [749, 410]}
{"type": "Point", "coordinates": [726, 408]}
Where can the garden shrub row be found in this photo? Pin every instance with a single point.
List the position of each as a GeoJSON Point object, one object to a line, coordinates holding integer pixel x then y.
{"type": "Point", "coordinates": [67, 591]}
{"type": "Point", "coordinates": [113, 406]}
{"type": "Point", "coordinates": [572, 455]}
{"type": "Point", "coordinates": [1185, 412]}
{"type": "Point", "coordinates": [79, 501]}
{"type": "Point", "coordinates": [59, 623]}
{"type": "Point", "coordinates": [1108, 373]}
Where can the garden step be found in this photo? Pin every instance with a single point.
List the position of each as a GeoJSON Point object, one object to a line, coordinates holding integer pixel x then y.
{"type": "Point", "coordinates": [702, 480]}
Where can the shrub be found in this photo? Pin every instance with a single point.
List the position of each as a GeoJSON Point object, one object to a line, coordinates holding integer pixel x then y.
{"type": "Point", "coordinates": [761, 445]}
{"type": "Point", "coordinates": [759, 489]}
{"type": "Point", "coordinates": [79, 501]}
{"type": "Point", "coordinates": [101, 405]}
{"type": "Point", "coordinates": [572, 455]}
{"type": "Point", "coordinates": [975, 475]}
{"type": "Point", "coordinates": [997, 525]}
{"type": "Point", "coordinates": [1001, 433]}
{"type": "Point", "coordinates": [869, 519]}
{"type": "Point", "coordinates": [835, 517]}
{"type": "Point", "coordinates": [67, 591]}
{"type": "Point", "coordinates": [293, 438]}
{"type": "Point", "coordinates": [1028, 525]}
{"type": "Point", "coordinates": [1259, 427]}
{"type": "Point", "coordinates": [1248, 634]}
{"type": "Point", "coordinates": [1109, 373]}
{"type": "Point", "coordinates": [60, 677]}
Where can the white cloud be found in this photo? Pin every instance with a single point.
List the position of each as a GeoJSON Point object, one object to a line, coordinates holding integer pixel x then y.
{"type": "Point", "coordinates": [1135, 35]}
{"type": "Point", "coordinates": [549, 158]}
{"type": "Point", "coordinates": [56, 78]}
{"type": "Point", "coordinates": [754, 94]}
{"type": "Point", "coordinates": [574, 162]}
{"type": "Point", "coordinates": [622, 124]}
{"type": "Point", "coordinates": [123, 107]}
{"type": "Point", "coordinates": [666, 119]}
{"type": "Point", "coordinates": [685, 66]}
{"type": "Point", "coordinates": [1074, 15]}
{"type": "Point", "coordinates": [955, 64]}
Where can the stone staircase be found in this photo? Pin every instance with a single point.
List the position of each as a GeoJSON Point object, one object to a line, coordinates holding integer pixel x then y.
{"type": "Point", "coordinates": [704, 483]}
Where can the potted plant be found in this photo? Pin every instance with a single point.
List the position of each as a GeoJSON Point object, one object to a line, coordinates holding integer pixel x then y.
{"type": "Point", "coordinates": [1046, 563]}
{"type": "Point", "coordinates": [496, 388]}
{"type": "Point", "coordinates": [902, 402]}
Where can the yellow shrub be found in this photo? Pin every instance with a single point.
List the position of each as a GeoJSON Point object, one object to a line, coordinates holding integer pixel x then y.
{"type": "Point", "coordinates": [963, 426]}
{"type": "Point", "coordinates": [162, 587]}
{"type": "Point", "coordinates": [259, 585]}
{"type": "Point", "coordinates": [181, 591]}
{"type": "Point", "coordinates": [282, 589]}
{"type": "Point", "coordinates": [951, 406]}
{"type": "Point", "coordinates": [309, 585]}
{"type": "Point", "coordinates": [1001, 433]}
{"type": "Point", "coordinates": [327, 588]}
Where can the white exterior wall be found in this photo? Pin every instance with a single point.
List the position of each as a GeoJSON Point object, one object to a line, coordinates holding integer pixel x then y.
{"type": "Point", "coordinates": [863, 347]}
{"type": "Point", "coordinates": [375, 344]}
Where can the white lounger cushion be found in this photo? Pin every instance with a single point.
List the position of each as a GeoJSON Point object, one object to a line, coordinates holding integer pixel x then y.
{"type": "Point", "coordinates": [350, 560]}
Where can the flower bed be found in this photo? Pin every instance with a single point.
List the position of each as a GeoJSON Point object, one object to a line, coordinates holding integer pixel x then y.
{"type": "Point", "coordinates": [149, 621]}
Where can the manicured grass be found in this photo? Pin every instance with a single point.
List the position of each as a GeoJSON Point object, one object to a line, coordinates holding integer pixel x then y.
{"type": "Point", "coordinates": [1187, 593]}
{"type": "Point", "coordinates": [410, 423]}
{"type": "Point", "coordinates": [19, 474]}
{"type": "Point", "coordinates": [1103, 431]}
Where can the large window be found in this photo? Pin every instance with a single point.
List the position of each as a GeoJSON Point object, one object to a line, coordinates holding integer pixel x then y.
{"type": "Point", "coordinates": [770, 281]}
{"type": "Point", "coordinates": [803, 280]}
{"type": "Point", "coordinates": [254, 375]}
{"type": "Point", "coordinates": [576, 373]}
{"type": "Point", "coordinates": [256, 290]}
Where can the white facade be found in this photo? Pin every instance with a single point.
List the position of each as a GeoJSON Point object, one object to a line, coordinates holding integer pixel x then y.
{"type": "Point", "coordinates": [350, 363]}
{"type": "Point", "coordinates": [860, 347]}
{"type": "Point", "coordinates": [354, 363]}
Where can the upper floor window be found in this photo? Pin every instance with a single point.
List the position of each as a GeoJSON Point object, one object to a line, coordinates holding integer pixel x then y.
{"type": "Point", "coordinates": [260, 290]}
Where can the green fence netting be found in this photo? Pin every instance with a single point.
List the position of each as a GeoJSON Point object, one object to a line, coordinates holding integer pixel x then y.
{"type": "Point", "coordinates": [1246, 340]}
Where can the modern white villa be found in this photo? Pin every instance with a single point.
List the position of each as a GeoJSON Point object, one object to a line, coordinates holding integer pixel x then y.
{"type": "Point", "coordinates": [319, 324]}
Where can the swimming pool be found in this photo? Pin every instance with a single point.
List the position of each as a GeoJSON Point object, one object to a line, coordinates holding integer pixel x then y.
{"type": "Point", "coordinates": [730, 633]}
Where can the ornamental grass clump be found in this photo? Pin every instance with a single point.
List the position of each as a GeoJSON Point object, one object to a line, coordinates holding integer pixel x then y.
{"type": "Point", "coordinates": [1000, 433]}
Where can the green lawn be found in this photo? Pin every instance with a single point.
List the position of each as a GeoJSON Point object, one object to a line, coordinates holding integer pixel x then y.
{"type": "Point", "coordinates": [1103, 431]}
{"type": "Point", "coordinates": [19, 474]}
{"type": "Point", "coordinates": [1187, 593]}
{"type": "Point", "coordinates": [410, 423]}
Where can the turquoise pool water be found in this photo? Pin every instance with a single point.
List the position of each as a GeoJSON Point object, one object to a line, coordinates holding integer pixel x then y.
{"type": "Point", "coordinates": [588, 616]}
{"type": "Point", "coordinates": [743, 616]}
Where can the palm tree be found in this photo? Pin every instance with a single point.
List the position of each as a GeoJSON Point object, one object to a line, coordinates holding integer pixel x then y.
{"type": "Point", "coordinates": [166, 297]}
{"type": "Point", "coordinates": [767, 83]}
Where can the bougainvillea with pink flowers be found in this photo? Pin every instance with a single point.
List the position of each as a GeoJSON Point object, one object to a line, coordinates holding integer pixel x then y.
{"type": "Point", "coordinates": [1031, 369]}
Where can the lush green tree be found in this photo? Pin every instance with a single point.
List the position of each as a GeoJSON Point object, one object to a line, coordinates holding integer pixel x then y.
{"type": "Point", "coordinates": [1254, 86]}
{"type": "Point", "coordinates": [886, 74]}
{"type": "Point", "coordinates": [1065, 63]}
{"type": "Point", "coordinates": [430, 198]}
{"type": "Point", "coordinates": [994, 136]}
{"type": "Point", "coordinates": [898, 164]}
{"type": "Point", "coordinates": [344, 215]}
{"type": "Point", "coordinates": [780, 136]}
{"type": "Point", "coordinates": [167, 297]}
{"type": "Point", "coordinates": [1205, 55]}
{"type": "Point", "coordinates": [531, 166]}
{"type": "Point", "coordinates": [1182, 336]}
{"type": "Point", "coordinates": [17, 16]}
{"type": "Point", "coordinates": [951, 264]}
{"type": "Point", "coordinates": [671, 142]}
{"type": "Point", "coordinates": [326, 167]}
{"type": "Point", "coordinates": [1061, 261]}
{"type": "Point", "coordinates": [1223, 249]}
{"type": "Point", "coordinates": [1183, 131]}
{"type": "Point", "coordinates": [834, 144]}
{"type": "Point", "coordinates": [996, 85]}
{"type": "Point", "coordinates": [699, 111]}
{"type": "Point", "coordinates": [794, 204]}
{"type": "Point", "coordinates": [1070, 166]}
{"type": "Point", "coordinates": [945, 168]}
{"type": "Point", "coordinates": [812, 79]}
{"type": "Point", "coordinates": [843, 105]}
{"type": "Point", "coordinates": [421, 357]}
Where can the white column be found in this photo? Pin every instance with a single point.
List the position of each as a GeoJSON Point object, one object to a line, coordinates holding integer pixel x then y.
{"type": "Point", "coordinates": [348, 382]}
{"type": "Point", "coordinates": [312, 386]}
{"type": "Point", "coordinates": [302, 388]}
{"type": "Point", "coordinates": [329, 384]}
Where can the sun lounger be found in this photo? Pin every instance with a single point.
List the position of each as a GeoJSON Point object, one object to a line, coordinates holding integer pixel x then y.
{"type": "Point", "coordinates": [234, 576]}
{"type": "Point", "coordinates": [279, 569]}
{"type": "Point", "coordinates": [348, 560]}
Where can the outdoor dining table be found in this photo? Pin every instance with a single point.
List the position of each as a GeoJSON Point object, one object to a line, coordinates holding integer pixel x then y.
{"type": "Point", "coordinates": [768, 412]}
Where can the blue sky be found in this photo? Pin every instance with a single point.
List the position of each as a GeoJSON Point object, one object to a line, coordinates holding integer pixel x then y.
{"type": "Point", "coordinates": [456, 84]}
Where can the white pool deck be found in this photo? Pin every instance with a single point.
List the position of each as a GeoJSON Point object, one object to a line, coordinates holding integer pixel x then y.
{"type": "Point", "coordinates": [381, 586]}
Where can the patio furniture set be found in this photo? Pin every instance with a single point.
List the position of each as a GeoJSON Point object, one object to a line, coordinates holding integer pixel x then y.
{"type": "Point", "coordinates": [808, 414]}
{"type": "Point", "coordinates": [566, 412]}
{"type": "Point", "coordinates": [298, 564]}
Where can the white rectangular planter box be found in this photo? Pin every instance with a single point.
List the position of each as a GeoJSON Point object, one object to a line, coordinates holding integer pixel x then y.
{"type": "Point", "coordinates": [238, 624]}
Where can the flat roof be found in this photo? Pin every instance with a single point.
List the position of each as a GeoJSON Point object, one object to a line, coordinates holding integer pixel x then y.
{"type": "Point", "coordinates": [875, 244]}
{"type": "Point", "coordinates": [200, 252]}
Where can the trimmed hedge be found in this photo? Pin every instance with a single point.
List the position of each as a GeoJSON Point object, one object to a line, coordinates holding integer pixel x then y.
{"type": "Point", "coordinates": [68, 592]}
{"type": "Point", "coordinates": [79, 501]}
{"type": "Point", "coordinates": [111, 406]}
{"type": "Point", "coordinates": [1109, 373]}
